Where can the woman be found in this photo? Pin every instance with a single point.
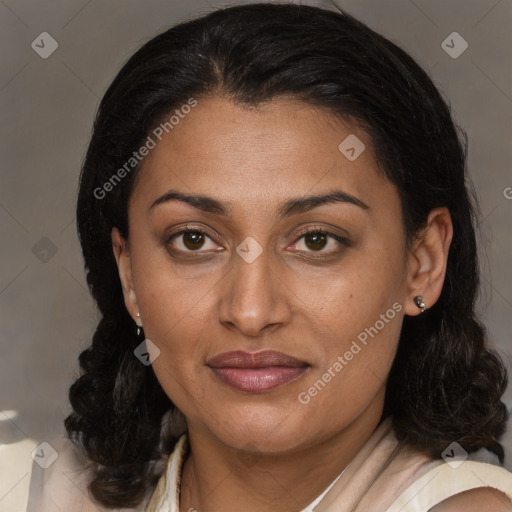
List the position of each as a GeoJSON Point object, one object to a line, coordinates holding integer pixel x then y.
{"type": "Point", "coordinates": [278, 230]}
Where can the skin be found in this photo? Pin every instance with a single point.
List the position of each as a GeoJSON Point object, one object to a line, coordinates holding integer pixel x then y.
{"type": "Point", "coordinates": [251, 161]}
{"type": "Point", "coordinates": [476, 500]}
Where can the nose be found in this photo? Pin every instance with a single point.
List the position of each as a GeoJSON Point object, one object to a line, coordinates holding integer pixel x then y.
{"type": "Point", "coordinates": [253, 298]}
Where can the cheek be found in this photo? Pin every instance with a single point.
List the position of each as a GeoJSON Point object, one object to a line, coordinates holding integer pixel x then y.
{"type": "Point", "coordinates": [177, 326]}
{"type": "Point", "coordinates": [175, 310]}
{"type": "Point", "coordinates": [357, 356]}
{"type": "Point", "coordinates": [352, 297]}
{"type": "Point", "coordinates": [359, 316]}
{"type": "Point", "coordinates": [175, 314]}
{"type": "Point", "coordinates": [167, 293]}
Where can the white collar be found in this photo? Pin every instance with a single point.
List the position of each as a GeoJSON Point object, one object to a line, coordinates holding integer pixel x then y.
{"type": "Point", "coordinates": [166, 496]}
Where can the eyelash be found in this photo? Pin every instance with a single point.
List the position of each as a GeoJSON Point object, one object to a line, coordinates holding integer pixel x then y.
{"type": "Point", "coordinates": [320, 231]}
{"type": "Point", "coordinates": [312, 230]}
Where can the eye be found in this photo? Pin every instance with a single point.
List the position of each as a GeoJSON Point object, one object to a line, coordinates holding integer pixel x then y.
{"type": "Point", "coordinates": [191, 240]}
{"type": "Point", "coordinates": [319, 240]}
{"type": "Point", "coordinates": [312, 240]}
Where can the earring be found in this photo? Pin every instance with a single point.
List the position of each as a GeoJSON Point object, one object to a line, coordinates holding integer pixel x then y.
{"type": "Point", "coordinates": [418, 300]}
{"type": "Point", "coordinates": [138, 326]}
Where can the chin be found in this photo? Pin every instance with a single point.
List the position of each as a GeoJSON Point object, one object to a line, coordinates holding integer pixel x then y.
{"type": "Point", "coordinates": [265, 429]}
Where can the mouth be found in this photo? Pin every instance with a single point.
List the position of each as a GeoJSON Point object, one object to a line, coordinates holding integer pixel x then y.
{"type": "Point", "coordinates": [256, 372]}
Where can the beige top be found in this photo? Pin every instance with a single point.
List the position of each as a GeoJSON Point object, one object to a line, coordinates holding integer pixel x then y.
{"type": "Point", "coordinates": [385, 475]}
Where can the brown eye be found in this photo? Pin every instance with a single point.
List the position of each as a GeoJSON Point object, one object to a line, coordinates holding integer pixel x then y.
{"type": "Point", "coordinates": [193, 240]}
{"type": "Point", "coordinates": [315, 241]}
{"type": "Point", "coordinates": [321, 241]}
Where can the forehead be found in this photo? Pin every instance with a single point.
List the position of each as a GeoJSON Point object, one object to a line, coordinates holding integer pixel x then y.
{"type": "Point", "coordinates": [235, 152]}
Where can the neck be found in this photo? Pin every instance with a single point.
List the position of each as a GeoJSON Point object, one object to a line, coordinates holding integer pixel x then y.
{"type": "Point", "coordinates": [216, 478]}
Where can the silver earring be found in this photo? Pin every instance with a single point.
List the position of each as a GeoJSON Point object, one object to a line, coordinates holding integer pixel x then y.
{"type": "Point", "coordinates": [418, 300]}
{"type": "Point", "coordinates": [138, 326]}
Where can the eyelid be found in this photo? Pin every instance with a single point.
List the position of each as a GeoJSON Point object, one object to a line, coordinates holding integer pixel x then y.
{"type": "Point", "coordinates": [342, 240]}
{"type": "Point", "coordinates": [185, 229]}
{"type": "Point", "coordinates": [320, 229]}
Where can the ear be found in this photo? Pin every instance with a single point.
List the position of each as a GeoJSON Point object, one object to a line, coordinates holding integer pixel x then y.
{"type": "Point", "coordinates": [124, 267]}
{"type": "Point", "coordinates": [427, 260]}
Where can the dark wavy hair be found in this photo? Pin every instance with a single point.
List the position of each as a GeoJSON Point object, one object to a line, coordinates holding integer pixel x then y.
{"type": "Point", "coordinates": [445, 385]}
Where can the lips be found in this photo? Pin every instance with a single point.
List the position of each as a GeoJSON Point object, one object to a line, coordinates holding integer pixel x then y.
{"type": "Point", "coordinates": [256, 372]}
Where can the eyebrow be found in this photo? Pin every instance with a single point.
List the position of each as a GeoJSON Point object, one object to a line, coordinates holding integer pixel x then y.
{"type": "Point", "coordinates": [290, 207]}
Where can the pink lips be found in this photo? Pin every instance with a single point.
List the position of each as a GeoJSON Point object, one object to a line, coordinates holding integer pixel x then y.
{"type": "Point", "coordinates": [256, 372]}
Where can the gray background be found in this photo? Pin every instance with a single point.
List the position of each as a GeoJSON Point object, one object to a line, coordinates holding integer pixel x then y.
{"type": "Point", "coordinates": [46, 314]}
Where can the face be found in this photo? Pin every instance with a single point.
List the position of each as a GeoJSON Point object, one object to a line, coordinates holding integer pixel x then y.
{"type": "Point", "coordinates": [242, 258]}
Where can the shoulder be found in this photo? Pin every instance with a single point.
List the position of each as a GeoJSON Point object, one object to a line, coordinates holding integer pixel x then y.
{"type": "Point", "coordinates": [59, 478]}
{"type": "Point", "coordinates": [15, 473]}
{"type": "Point", "coordinates": [476, 500]}
{"type": "Point", "coordinates": [62, 481]}
{"type": "Point", "coordinates": [448, 488]}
